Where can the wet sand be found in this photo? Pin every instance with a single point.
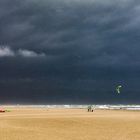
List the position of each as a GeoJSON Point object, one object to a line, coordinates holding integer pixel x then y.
{"type": "Point", "coordinates": [69, 124]}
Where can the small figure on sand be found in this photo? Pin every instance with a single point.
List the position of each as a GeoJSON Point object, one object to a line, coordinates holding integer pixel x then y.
{"type": "Point", "coordinates": [90, 108]}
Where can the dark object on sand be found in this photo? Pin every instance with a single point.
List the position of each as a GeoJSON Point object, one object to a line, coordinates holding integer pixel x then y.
{"type": "Point", "coordinates": [1, 111]}
{"type": "Point", "coordinates": [89, 108]}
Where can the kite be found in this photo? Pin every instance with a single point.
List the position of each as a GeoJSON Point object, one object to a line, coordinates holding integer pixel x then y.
{"type": "Point", "coordinates": [118, 89]}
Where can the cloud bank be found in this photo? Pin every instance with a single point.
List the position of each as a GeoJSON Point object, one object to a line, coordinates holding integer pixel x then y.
{"type": "Point", "coordinates": [6, 51]}
{"type": "Point", "coordinates": [28, 53]}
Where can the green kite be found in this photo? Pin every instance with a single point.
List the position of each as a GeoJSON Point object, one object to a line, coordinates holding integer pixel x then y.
{"type": "Point", "coordinates": [118, 89]}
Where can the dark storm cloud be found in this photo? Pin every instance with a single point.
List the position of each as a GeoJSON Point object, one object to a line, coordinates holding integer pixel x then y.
{"type": "Point", "coordinates": [69, 50]}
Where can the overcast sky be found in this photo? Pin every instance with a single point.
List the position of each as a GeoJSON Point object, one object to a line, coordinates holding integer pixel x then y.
{"type": "Point", "coordinates": [69, 51]}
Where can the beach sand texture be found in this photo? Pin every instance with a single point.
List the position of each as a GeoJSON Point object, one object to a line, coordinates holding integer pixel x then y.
{"type": "Point", "coordinates": [69, 124]}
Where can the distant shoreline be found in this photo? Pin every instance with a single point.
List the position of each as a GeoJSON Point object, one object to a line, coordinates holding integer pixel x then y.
{"type": "Point", "coordinates": [107, 107]}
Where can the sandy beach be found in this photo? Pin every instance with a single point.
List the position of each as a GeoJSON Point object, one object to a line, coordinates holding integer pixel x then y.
{"type": "Point", "coordinates": [69, 124]}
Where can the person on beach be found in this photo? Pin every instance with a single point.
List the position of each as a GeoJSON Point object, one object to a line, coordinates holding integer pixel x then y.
{"type": "Point", "coordinates": [89, 108]}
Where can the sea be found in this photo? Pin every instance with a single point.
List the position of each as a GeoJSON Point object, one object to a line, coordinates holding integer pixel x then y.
{"type": "Point", "coordinates": [94, 106]}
